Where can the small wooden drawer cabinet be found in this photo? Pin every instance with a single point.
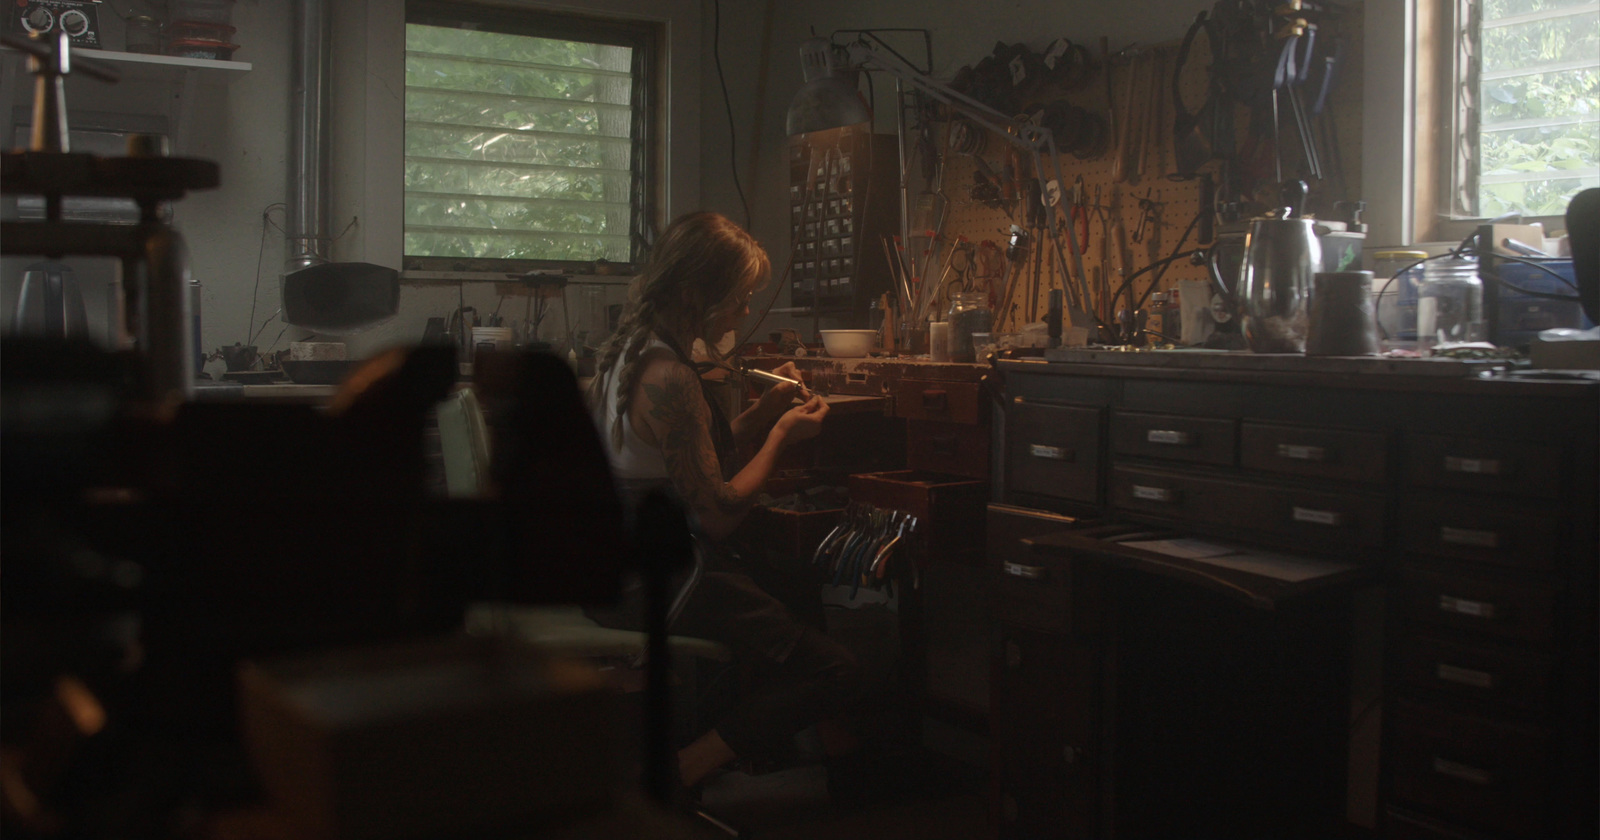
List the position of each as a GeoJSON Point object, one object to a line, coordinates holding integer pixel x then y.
{"type": "Point", "coordinates": [1471, 500]}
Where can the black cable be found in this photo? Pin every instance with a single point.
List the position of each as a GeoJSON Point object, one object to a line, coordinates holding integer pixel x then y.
{"type": "Point", "coordinates": [727, 105]}
{"type": "Point", "coordinates": [250, 326]}
{"type": "Point", "coordinates": [1564, 281]}
{"type": "Point", "coordinates": [1176, 252]}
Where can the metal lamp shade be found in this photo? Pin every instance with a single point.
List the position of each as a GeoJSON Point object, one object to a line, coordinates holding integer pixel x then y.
{"type": "Point", "coordinates": [829, 98]}
{"type": "Point", "coordinates": [824, 103]}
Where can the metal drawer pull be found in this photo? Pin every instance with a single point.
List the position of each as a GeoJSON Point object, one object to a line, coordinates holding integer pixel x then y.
{"type": "Point", "coordinates": [1319, 517]}
{"type": "Point", "coordinates": [1464, 772]}
{"type": "Point", "coordinates": [1462, 606]}
{"type": "Point", "coordinates": [1154, 494]}
{"type": "Point", "coordinates": [1054, 453]}
{"type": "Point", "coordinates": [1474, 466]}
{"type": "Point", "coordinates": [1468, 536]}
{"type": "Point", "coordinates": [1464, 676]}
{"type": "Point", "coordinates": [1024, 572]}
{"type": "Point", "coordinates": [1298, 452]}
{"type": "Point", "coordinates": [1169, 437]}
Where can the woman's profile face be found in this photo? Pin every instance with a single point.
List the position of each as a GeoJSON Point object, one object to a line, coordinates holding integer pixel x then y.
{"type": "Point", "coordinates": [735, 316]}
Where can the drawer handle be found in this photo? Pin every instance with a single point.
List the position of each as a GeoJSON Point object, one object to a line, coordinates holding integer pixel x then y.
{"type": "Point", "coordinates": [1473, 466]}
{"type": "Point", "coordinates": [1169, 437]}
{"type": "Point", "coordinates": [1054, 453]}
{"type": "Point", "coordinates": [1154, 494]}
{"type": "Point", "coordinates": [1462, 606]}
{"type": "Point", "coordinates": [1464, 772]}
{"type": "Point", "coordinates": [1319, 517]}
{"type": "Point", "coordinates": [1299, 452]}
{"type": "Point", "coordinates": [1469, 536]}
{"type": "Point", "coordinates": [1464, 676]}
{"type": "Point", "coordinates": [1024, 571]}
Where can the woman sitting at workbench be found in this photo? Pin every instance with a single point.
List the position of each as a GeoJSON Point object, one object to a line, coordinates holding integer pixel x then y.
{"type": "Point", "coordinates": [663, 431]}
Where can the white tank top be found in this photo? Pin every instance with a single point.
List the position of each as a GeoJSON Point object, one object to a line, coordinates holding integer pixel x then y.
{"type": "Point", "coordinates": [636, 460]}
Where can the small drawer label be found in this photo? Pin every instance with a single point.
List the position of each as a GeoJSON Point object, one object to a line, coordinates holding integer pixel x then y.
{"type": "Point", "coordinates": [1469, 537]}
{"type": "Point", "coordinates": [1169, 437]}
{"type": "Point", "coordinates": [1153, 494]}
{"type": "Point", "coordinates": [1464, 676]}
{"type": "Point", "coordinates": [1462, 606]}
{"type": "Point", "coordinates": [1464, 772]}
{"type": "Point", "coordinates": [1054, 453]}
{"type": "Point", "coordinates": [1298, 452]}
{"type": "Point", "coordinates": [1319, 517]}
{"type": "Point", "coordinates": [1472, 466]}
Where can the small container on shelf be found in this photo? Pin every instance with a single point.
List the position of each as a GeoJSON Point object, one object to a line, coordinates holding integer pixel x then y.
{"type": "Point", "coordinates": [142, 35]}
{"type": "Point", "coordinates": [200, 48]}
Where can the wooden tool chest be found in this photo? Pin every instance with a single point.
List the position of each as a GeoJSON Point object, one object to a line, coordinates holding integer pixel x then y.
{"type": "Point", "coordinates": [1465, 505]}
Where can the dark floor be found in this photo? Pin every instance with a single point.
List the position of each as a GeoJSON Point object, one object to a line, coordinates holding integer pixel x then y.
{"type": "Point", "coordinates": [794, 804]}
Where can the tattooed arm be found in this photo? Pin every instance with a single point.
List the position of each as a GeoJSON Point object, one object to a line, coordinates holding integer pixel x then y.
{"type": "Point", "coordinates": [669, 411]}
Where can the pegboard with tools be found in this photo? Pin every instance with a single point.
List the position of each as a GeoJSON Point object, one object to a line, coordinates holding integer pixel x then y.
{"type": "Point", "coordinates": [1184, 153]}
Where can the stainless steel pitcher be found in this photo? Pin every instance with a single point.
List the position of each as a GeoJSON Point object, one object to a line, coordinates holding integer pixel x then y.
{"type": "Point", "coordinates": [1281, 257]}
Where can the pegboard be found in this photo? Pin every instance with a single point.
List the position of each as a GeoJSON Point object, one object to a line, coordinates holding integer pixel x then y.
{"type": "Point", "coordinates": [1136, 214]}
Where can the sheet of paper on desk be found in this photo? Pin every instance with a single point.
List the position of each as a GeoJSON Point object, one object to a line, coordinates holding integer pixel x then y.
{"type": "Point", "coordinates": [1286, 567]}
{"type": "Point", "coordinates": [1188, 548]}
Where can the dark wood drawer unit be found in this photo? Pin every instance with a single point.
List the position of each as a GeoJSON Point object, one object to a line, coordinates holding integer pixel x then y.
{"type": "Point", "coordinates": [1487, 774]}
{"type": "Point", "coordinates": [1172, 437]}
{"type": "Point", "coordinates": [1048, 739]}
{"type": "Point", "coordinates": [1311, 452]}
{"type": "Point", "coordinates": [1474, 500]}
{"type": "Point", "coordinates": [1465, 528]}
{"type": "Point", "coordinates": [1036, 589]}
{"type": "Point", "coordinates": [1501, 677]}
{"type": "Point", "coordinates": [1481, 604]}
{"type": "Point", "coordinates": [1322, 520]}
{"type": "Point", "coordinates": [1509, 467]}
{"type": "Point", "coordinates": [950, 402]}
{"type": "Point", "coordinates": [949, 510]}
{"type": "Point", "coordinates": [956, 448]}
{"type": "Point", "coordinates": [1053, 450]}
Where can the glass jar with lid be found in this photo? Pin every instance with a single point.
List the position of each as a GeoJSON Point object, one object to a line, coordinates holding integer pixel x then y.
{"type": "Point", "coordinates": [1450, 303]}
{"type": "Point", "coordinates": [969, 313]}
{"type": "Point", "coordinates": [1396, 276]}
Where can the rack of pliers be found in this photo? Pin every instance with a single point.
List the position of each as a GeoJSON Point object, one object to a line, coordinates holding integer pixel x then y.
{"type": "Point", "coordinates": [858, 551]}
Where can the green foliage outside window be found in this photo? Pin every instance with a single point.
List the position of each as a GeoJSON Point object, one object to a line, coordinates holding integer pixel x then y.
{"type": "Point", "coordinates": [516, 147]}
{"type": "Point", "coordinates": [1543, 122]}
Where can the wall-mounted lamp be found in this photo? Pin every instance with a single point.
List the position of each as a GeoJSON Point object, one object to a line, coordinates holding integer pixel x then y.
{"type": "Point", "coordinates": [829, 98]}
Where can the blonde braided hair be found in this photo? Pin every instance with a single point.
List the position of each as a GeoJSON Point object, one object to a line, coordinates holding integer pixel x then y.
{"type": "Point", "coordinates": [701, 270]}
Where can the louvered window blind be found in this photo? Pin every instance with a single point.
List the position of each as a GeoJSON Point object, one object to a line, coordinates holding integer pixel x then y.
{"type": "Point", "coordinates": [525, 139]}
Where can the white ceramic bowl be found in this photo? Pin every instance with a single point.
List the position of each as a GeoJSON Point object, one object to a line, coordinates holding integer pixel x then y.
{"type": "Point", "coordinates": [849, 344]}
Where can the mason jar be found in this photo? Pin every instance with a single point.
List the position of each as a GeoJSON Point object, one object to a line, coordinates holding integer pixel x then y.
{"type": "Point", "coordinates": [969, 313]}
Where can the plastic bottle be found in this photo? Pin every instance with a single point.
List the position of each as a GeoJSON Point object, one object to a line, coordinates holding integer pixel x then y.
{"type": "Point", "coordinates": [1450, 303]}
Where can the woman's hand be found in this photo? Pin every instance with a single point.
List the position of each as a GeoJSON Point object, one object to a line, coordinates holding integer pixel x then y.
{"type": "Point", "coordinates": [780, 396]}
{"type": "Point", "coordinates": [802, 422]}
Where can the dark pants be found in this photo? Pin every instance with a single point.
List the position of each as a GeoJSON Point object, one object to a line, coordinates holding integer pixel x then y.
{"type": "Point", "coordinates": [798, 675]}
{"type": "Point", "coordinates": [793, 675]}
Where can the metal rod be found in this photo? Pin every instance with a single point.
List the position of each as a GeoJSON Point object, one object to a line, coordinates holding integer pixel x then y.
{"type": "Point", "coordinates": [310, 97]}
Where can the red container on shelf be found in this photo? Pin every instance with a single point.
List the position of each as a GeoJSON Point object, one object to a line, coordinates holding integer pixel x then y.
{"type": "Point", "coordinates": [201, 48]}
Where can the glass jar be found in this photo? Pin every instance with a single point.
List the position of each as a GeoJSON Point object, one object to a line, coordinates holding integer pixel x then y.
{"type": "Point", "coordinates": [1396, 276]}
{"type": "Point", "coordinates": [1450, 303]}
{"type": "Point", "coordinates": [969, 313]}
{"type": "Point", "coordinates": [143, 35]}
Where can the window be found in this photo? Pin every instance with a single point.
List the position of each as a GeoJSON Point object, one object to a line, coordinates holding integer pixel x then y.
{"type": "Point", "coordinates": [528, 138]}
{"type": "Point", "coordinates": [1527, 106]}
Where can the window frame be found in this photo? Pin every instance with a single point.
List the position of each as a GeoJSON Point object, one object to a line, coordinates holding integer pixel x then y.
{"type": "Point", "coordinates": [647, 40]}
{"type": "Point", "coordinates": [1439, 60]}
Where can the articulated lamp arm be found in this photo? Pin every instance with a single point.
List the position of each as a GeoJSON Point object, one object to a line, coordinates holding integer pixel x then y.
{"type": "Point", "coordinates": [1036, 140]}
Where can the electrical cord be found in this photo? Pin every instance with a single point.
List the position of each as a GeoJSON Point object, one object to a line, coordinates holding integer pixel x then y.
{"type": "Point", "coordinates": [1177, 253]}
{"type": "Point", "coordinates": [250, 326]}
{"type": "Point", "coordinates": [1468, 249]}
{"type": "Point", "coordinates": [727, 105]}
